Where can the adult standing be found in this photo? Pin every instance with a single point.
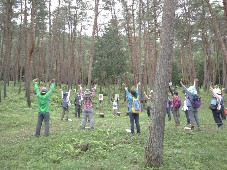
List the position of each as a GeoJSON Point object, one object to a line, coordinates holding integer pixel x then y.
{"type": "Point", "coordinates": [193, 112]}
{"type": "Point", "coordinates": [87, 104]}
{"type": "Point", "coordinates": [78, 103]}
{"type": "Point", "coordinates": [43, 107]}
{"type": "Point", "coordinates": [168, 107]}
{"type": "Point", "coordinates": [149, 102]}
{"type": "Point", "coordinates": [217, 112]}
{"type": "Point", "coordinates": [175, 105]}
{"type": "Point", "coordinates": [134, 117]}
{"type": "Point", "coordinates": [185, 109]}
{"type": "Point", "coordinates": [65, 104]}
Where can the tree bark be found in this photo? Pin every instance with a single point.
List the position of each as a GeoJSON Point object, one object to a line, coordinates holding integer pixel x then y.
{"type": "Point", "coordinates": [29, 56]}
{"type": "Point", "coordinates": [92, 51]}
{"type": "Point", "coordinates": [155, 136]}
{"type": "Point", "coordinates": [8, 39]}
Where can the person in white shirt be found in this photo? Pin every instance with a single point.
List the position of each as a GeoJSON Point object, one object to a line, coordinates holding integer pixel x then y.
{"type": "Point", "coordinates": [185, 109]}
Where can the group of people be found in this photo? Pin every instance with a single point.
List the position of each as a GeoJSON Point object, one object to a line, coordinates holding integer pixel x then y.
{"type": "Point", "coordinates": [190, 109]}
{"type": "Point", "coordinates": [44, 106]}
{"type": "Point", "coordinates": [84, 98]}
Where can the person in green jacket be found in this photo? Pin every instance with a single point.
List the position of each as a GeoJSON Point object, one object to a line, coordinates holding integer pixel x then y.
{"type": "Point", "coordinates": [43, 106]}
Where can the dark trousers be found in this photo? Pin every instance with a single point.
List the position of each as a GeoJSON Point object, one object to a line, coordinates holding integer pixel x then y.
{"type": "Point", "coordinates": [77, 111]}
{"type": "Point", "coordinates": [148, 111]}
{"type": "Point", "coordinates": [46, 118]}
{"type": "Point", "coordinates": [134, 117]}
{"type": "Point", "coordinates": [217, 117]}
{"type": "Point", "coordinates": [187, 117]}
{"type": "Point", "coordinates": [168, 113]}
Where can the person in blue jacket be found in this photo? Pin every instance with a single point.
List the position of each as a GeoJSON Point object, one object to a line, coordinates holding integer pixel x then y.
{"type": "Point", "coordinates": [133, 116]}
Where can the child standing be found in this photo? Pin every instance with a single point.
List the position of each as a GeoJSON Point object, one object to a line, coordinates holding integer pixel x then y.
{"type": "Point", "coordinates": [115, 107]}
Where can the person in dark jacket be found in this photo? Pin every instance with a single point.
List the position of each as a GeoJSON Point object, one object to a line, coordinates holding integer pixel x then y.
{"type": "Point", "coordinates": [77, 103]}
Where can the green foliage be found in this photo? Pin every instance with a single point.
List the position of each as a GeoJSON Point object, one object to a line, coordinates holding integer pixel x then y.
{"type": "Point", "coordinates": [110, 55]}
{"type": "Point", "coordinates": [110, 147]}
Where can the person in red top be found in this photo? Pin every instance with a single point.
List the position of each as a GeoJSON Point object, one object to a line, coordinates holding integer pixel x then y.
{"type": "Point", "coordinates": [87, 104]}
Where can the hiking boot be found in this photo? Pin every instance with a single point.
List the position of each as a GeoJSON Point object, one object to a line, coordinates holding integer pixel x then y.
{"type": "Point", "coordinates": [192, 127]}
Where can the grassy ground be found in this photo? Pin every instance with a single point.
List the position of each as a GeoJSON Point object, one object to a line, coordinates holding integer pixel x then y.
{"type": "Point", "coordinates": [110, 146]}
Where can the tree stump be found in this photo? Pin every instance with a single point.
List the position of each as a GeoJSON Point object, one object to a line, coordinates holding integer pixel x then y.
{"type": "Point", "coordinates": [101, 115]}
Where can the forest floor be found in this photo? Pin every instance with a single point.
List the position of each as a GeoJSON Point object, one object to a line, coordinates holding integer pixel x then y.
{"type": "Point", "coordinates": [110, 147]}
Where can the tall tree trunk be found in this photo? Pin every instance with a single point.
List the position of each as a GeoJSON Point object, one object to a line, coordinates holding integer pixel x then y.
{"type": "Point", "coordinates": [92, 50]}
{"type": "Point", "coordinates": [218, 32]}
{"type": "Point", "coordinates": [49, 50]}
{"type": "Point", "coordinates": [8, 39]}
{"type": "Point", "coordinates": [29, 56]}
{"type": "Point", "coordinates": [155, 136]}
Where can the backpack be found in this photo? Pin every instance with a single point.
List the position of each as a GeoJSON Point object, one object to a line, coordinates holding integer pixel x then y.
{"type": "Point", "coordinates": [196, 101]}
{"type": "Point", "coordinates": [64, 103]}
{"type": "Point", "coordinates": [136, 106]}
{"type": "Point", "coordinates": [177, 103]}
{"type": "Point", "coordinates": [213, 104]}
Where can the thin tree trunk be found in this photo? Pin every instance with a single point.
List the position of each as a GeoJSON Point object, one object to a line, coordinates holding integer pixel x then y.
{"type": "Point", "coordinates": [29, 56]}
{"type": "Point", "coordinates": [93, 44]}
{"type": "Point", "coordinates": [8, 39]}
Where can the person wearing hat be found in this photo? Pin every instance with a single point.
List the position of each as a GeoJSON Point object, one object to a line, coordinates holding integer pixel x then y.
{"type": "Point", "coordinates": [43, 107]}
{"type": "Point", "coordinates": [216, 93]}
{"type": "Point", "coordinates": [65, 104]}
{"type": "Point", "coordinates": [149, 102]}
{"type": "Point", "coordinates": [87, 105]}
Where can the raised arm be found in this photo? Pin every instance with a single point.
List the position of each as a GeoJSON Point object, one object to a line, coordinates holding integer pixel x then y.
{"type": "Point", "coordinates": [36, 85]}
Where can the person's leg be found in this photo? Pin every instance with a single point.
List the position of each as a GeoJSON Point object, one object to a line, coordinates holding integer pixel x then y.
{"type": "Point", "coordinates": [137, 123]}
{"type": "Point", "coordinates": [67, 114]}
{"type": "Point", "coordinates": [131, 116]}
{"type": "Point", "coordinates": [39, 124]}
{"type": "Point", "coordinates": [84, 119]}
{"type": "Point", "coordinates": [76, 108]}
{"type": "Point", "coordinates": [168, 113]}
{"type": "Point", "coordinates": [47, 123]}
{"type": "Point", "coordinates": [175, 116]}
{"type": "Point", "coordinates": [187, 117]}
{"type": "Point", "coordinates": [192, 117]}
{"type": "Point", "coordinates": [217, 118]}
{"type": "Point", "coordinates": [148, 111]}
{"type": "Point", "coordinates": [91, 118]}
{"type": "Point", "coordinates": [62, 113]}
{"type": "Point", "coordinates": [79, 110]}
{"type": "Point", "coordinates": [178, 116]}
{"type": "Point", "coordinates": [196, 117]}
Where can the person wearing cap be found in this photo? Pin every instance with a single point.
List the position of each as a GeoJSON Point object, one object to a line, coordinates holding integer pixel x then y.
{"type": "Point", "coordinates": [65, 108]}
{"type": "Point", "coordinates": [216, 93]}
{"type": "Point", "coordinates": [43, 107]}
{"type": "Point", "coordinates": [133, 116]}
{"type": "Point", "coordinates": [87, 106]}
{"type": "Point", "coordinates": [149, 102]}
{"type": "Point", "coordinates": [192, 112]}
